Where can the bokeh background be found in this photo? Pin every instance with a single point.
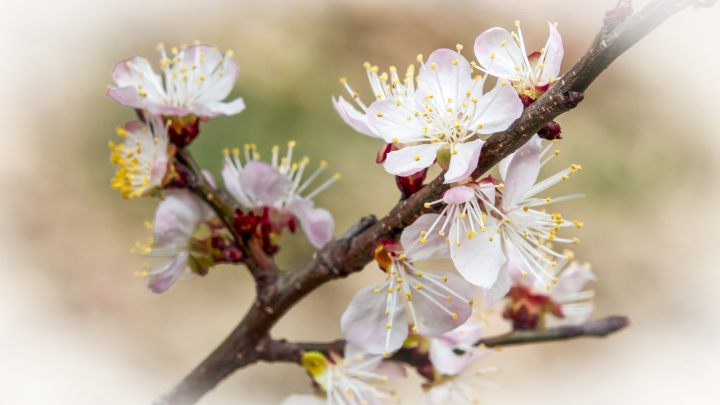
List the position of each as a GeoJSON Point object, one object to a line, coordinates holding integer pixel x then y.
{"type": "Point", "coordinates": [77, 328]}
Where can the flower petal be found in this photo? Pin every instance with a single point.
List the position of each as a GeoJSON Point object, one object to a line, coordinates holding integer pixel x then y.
{"type": "Point", "coordinates": [429, 304]}
{"type": "Point", "coordinates": [364, 321]}
{"type": "Point", "coordinates": [553, 55]}
{"type": "Point", "coordinates": [447, 80]}
{"type": "Point", "coordinates": [522, 171]}
{"type": "Point", "coordinates": [217, 108]}
{"type": "Point", "coordinates": [170, 274]}
{"type": "Point", "coordinates": [444, 359]}
{"type": "Point", "coordinates": [264, 182]}
{"type": "Point", "coordinates": [434, 247]}
{"type": "Point", "coordinates": [391, 121]}
{"type": "Point", "coordinates": [572, 280]}
{"type": "Point", "coordinates": [176, 218]}
{"type": "Point", "coordinates": [478, 259]}
{"type": "Point", "coordinates": [464, 162]}
{"type": "Point", "coordinates": [497, 109]}
{"type": "Point", "coordinates": [459, 195]}
{"type": "Point", "coordinates": [231, 178]}
{"type": "Point", "coordinates": [354, 118]}
{"type": "Point", "coordinates": [317, 223]}
{"type": "Point", "coordinates": [500, 289]}
{"type": "Point", "coordinates": [403, 162]}
{"type": "Point", "coordinates": [506, 57]}
{"type": "Point", "coordinates": [437, 394]}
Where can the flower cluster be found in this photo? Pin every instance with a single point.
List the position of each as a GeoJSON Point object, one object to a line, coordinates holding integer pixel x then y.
{"type": "Point", "coordinates": [495, 231]}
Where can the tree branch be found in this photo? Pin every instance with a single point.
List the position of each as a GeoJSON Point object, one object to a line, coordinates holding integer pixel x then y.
{"type": "Point", "coordinates": [351, 251]}
{"type": "Point", "coordinates": [284, 351]}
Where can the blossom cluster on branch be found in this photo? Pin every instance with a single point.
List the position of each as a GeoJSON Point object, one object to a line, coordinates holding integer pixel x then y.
{"type": "Point", "coordinates": [501, 235]}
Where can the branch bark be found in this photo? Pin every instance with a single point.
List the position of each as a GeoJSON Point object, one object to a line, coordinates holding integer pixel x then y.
{"type": "Point", "coordinates": [284, 351]}
{"type": "Point", "coordinates": [350, 252]}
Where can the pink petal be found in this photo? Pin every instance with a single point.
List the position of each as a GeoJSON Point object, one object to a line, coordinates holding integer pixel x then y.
{"type": "Point", "coordinates": [459, 195]}
{"type": "Point", "coordinates": [431, 314]}
{"type": "Point", "coordinates": [363, 322]}
{"type": "Point", "coordinates": [393, 122]}
{"type": "Point", "coordinates": [177, 217]}
{"type": "Point", "coordinates": [402, 162]}
{"type": "Point", "coordinates": [464, 162]}
{"type": "Point", "coordinates": [231, 179]}
{"type": "Point", "coordinates": [169, 276]}
{"type": "Point", "coordinates": [498, 109]}
{"type": "Point", "coordinates": [127, 97]}
{"type": "Point", "coordinates": [215, 109]}
{"type": "Point", "coordinates": [499, 290]}
{"type": "Point", "coordinates": [317, 223]}
{"type": "Point", "coordinates": [572, 280]}
{"type": "Point", "coordinates": [444, 359]}
{"type": "Point", "coordinates": [553, 55]}
{"type": "Point", "coordinates": [354, 118]}
{"type": "Point", "coordinates": [506, 57]}
{"type": "Point", "coordinates": [521, 172]}
{"type": "Point", "coordinates": [264, 182]}
{"type": "Point", "coordinates": [434, 247]}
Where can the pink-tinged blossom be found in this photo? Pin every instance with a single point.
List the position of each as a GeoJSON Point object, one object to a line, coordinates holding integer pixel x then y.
{"type": "Point", "coordinates": [462, 218]}
{"type": "Point", "coordinates": [464, 338]}
{"type": "Point", "coordinates": [449, 113]}
{"type": "Point", "coordinates": [503, 54]}
{"type": "Point", "coordinates": [357, 378]}
{"type": "Point", "coordinates": [382, 90]}
{"type": "Point", "coordinates": [570, 304]}
{"type": "Point", "coordinates": [376, 320]}
{"type": "Point", "coordinates": [143, 159]}
{"type": "Point", "coordinates": [183, 229]}
{"type": "Point", "coordinates": [278, 185]}
{"type": "Point", "coordinates": [459, 388]}
{"type": "Point", "coordinates": [194, 80]}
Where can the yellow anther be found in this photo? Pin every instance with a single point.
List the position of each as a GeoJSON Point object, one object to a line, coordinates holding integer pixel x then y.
{"type": "Point", "coordinates": [393, 69]}
{"type": "Point", "coordinates": [419, 273]}
{"type": "Point", "coordinates": [389, 290]}
{"type": "Point", "coordinates": [503, 43]}
{"type": "Point", "coordinates": [433, 66]}
{"type": "Point", "coordinates": [398, 102]}
{"type": "Point", "coordinates": [564, 177]}
{"type": "Point", "coordinates": [417, 158]}
{"type": "Point", "coordinates": [501, 185]}
{"type": "Point", "coordinates": [387, 325]}
{"type": "Point", "coordinates": [399, 280]}
{"type": "Point", "coordinates": [482, 229]}
{"type": "Point", "coordinates": [542, 50]}
{"type": "Point", "coordinates": [376, 291]}
{"type": "Point", "coordinates": [524, 273]}
{"type": "Point", "coordinates": [492, 55]}
{"type": "Point", "coordinates": [463, 215]}
{"type": "Point", "coordinates": [121, 131]}
{"type": "Point", "coordinates": [402, 257]}
{"type": "Point", "coordinates": [140, 274]}
{"type": "Point", "coordinates": [323, 164]}
{"type": "Point", "coordinates": [555, 25]}
{"type": "Point", "coordinates": [519, 42]}
{"type": "Point", "coordinates": [419, 58]}
{"type": "Point", "coordinates": [525, 234]}
{"type": "Point", "coordinates": [387, 354]}
{"type": "Point", "coordinates": [553, 263]}
{"type": "Point", "coordinates": [517, 68]}
{"type": "Point", "coordinates": [454, 315]}
{"type": "Point", "coordinates": [444, 279]}
{"type": "Point", "coordinates": [548, 287]}
{"type": "Point", "coordinates": [449, 109]}
{"type": "Point", "coordinates": [337, 176]}
{"type": "Point", "coordinates": [499, 231]}
{"type": "Point", "coordinates": [517, 23]}
{"type": "Point", "coordinates": [576, 241]}
{"type": "Point", "coordinates": [454, 152]}
{"type": "Point", "coordinates": [551, 79]}
{"type": "Point", "coordinates": [455, 62]}
{"type": "Point", "coordinates": [449, 298]}
{"type": "Point", "coordinates": [226, 151]}
{"type": "Point", "coordinates": [379, 114]}
{"type": "Point", "coordinates": [415, 329]}
{"type": "Point", "coordinates": [491, 239]}
{"type": "Point", "coordinates": [343, 79]}
{"type": "Point", "coordinates": [366, 65]}
{"type": "Point", "coordinates": [547, 200]}
{"type": "Point", "coordinates": [419, 287]}
{"type": "Point", "coordinates": [459, 244]}
{"type": "Point", "coordinates": [502, 83]}
{"type": "Point", "coordinates": [507, 219]}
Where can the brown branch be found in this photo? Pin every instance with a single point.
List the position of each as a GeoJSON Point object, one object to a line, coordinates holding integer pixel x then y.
{"type": "Point", "coordinates": [284, 351]}
{"type": "Point", "coordinates": [351, 251]}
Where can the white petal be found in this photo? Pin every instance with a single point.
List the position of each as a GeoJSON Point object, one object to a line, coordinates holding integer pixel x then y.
{"type": "Point", "coordinates": [176, 218]}
{"type": "Point", "coordinates": [522, 171]}
{"type": "Point", "coordinates": [499, 290]}
{"type": "Point", "coordinates": [231, 178]}
{"type": "Point", "coordinates": [434, 247]}
{"type": "Point", "coordinates": [478, 259]}
{"type": "Point", "coordinates": [444, 359]}
{"type": "Point", "coordinates": [572, 280]}
{"type": "Point", "coordinates": [432, 315]}
{"type": "Point", "coordinates": [393, 121]}
{"type": "Point", "coordinates": [553, 55]}
{"type": "Point", "coordinates": [402, 162]}
{"type": "Point", "coordinates": [506, 57]}
{"type": "Point", "coordinates": [364, 321]}
{"type": "Point", "coordinates": [448, 80]}
{"type": "Point", "coordinates": [354, 118]}
{"type": "Point", "coordinates": [170, 274]}
{"type": "Point", "coordinates": [437, 394]}
{"type": "Point", "coordinates": [464, 162]}
{"type": "Point", "coordinates": [497, 109]}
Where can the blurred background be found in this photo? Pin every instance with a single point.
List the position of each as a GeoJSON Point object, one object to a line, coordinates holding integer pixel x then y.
{"type": "Point", "coordinates": [77, 327]}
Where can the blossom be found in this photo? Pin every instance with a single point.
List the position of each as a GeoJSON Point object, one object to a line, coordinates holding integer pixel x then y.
{"type": "Point", "coordinates": [183, 230]}
{"type": "Point", "coordinates": [449, 112]}
{"type": "Point", "coordinates": [278, 186]}
{"type": "Point", "coordinates": [443, 347]}
{"type": "Point", "coordinates": [382, 90]}
{"type": "Point", "coordinates": [514, 225]}
{"type": "Point", "coordinates": [351, 380]}
{"type": "Point", "coordinates": [532, 306]}
{"type": "Point", "coordinates": [194, 81]}
{"type": "Point", "coordinates": [377, 321]}
{"type": "Point", "coordinates": [503, 54]}
{"type": "Point", "coordinates": [144, 159]}
{"type": "Point", "coordinates": [459, 388]}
